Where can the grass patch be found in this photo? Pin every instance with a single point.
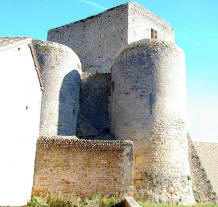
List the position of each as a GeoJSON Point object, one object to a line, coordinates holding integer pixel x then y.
{"type": "Point", "coordinates": [61, 200]}
{"type": "Point", "coordinates": [149, 204]}
{"type": "Point", "coordinates": [66, 200]}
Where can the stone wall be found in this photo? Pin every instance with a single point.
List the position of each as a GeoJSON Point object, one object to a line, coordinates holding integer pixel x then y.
{"type": "Point", "coordinates": [83, 167]}
{"type": "Point", "coordinates": [94, 117]}
{"type": "Point", "coordinates": [203, 160]}
{"type": "Point", "coordinates": [20, 114]}
{"type": "Point", "coordinates": [148, 106]}
{"type": "Point", "coordinates": [208, 154]}
{"type": "Point", "coordinates": [140, 22]}
{"type": "Point", "coordinates": [97, 39]}
{"type": "Point", "coordinates": [61, 70]}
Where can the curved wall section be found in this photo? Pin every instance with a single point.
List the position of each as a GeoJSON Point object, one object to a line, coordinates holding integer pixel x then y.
{"type": "Point", "coordinates": [149, 107]}
{"type": "Point", "coordinates": [61, 70]}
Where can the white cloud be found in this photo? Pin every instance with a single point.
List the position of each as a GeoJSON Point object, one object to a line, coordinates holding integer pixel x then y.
{"type": "Point", "coordinates": [93, 4]}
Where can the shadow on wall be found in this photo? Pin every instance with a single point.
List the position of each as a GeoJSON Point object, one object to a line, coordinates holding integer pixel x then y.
{"type": "Point", "coordinates": [93, 119]}
{"type": "Point", "coordinates": [69, 104]}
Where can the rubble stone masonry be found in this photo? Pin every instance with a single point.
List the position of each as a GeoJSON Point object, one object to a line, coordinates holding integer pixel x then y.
{"type": "Point", "coordinates": [203, 158]}
{"type": "Point", "coordinates": [97, 39]}
{"type": "Point", "coordinates": [149, 107]}
{"type": "Point", "coordinates": [61, 70]}
{"type": "Point", "coordinates": [83, 167]}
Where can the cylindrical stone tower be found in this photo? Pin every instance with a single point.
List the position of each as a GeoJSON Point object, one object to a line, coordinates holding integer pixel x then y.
{"type": "Point", "coordinates": [61, 70]}
{"type": "Point", "coordinates": [149, 107]}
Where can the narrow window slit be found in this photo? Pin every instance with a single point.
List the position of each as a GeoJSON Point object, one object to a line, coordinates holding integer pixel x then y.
{"type": "Point", "coordinates": [150, 102]}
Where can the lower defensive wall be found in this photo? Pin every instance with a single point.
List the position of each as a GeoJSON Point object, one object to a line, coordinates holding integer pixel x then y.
{"type": "Point", "coordinates": [83, 167]}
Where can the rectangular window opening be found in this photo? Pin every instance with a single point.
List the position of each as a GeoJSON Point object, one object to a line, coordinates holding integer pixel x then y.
{"type": "Point", "coordinates": [112, 85]}
{"type": "Point", "coordinates": [153, 34]}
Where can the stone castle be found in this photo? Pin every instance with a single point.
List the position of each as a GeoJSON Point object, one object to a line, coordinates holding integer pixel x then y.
{"type": "Point", "coordinates": [113, 117]}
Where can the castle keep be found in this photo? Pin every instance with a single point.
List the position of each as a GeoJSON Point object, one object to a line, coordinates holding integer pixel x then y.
{"type": "Point", "coordinates": [113, 117]}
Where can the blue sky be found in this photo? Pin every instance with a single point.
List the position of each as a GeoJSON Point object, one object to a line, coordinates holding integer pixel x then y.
{"type": "Point", "coordinates": [196, 30]}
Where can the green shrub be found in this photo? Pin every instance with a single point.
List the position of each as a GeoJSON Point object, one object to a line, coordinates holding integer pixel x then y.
{"type": "Point", "coordinates": [107, 202]}
{"type": "Point", "coordinates": [37, 202]}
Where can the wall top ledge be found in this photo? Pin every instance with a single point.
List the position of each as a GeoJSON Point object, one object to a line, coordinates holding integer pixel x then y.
{"type": "Point", "coordinates": [83, 145]}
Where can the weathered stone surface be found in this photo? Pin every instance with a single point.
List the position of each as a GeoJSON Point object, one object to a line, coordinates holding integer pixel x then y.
{"type": "Point", "coordinates": [83, 167]}
{"type": "Point", "coordinates": [97, 39]}
{"type": "Point", "coordinates": [148, 107]}
{"type": "Point", "coordinates": [94, 117]}
{"type": "Point", "coordinates": [203, 162]}
{"type": "Point", "coordinates": [208, 154]}
{"type": "Point", "coordinates": [141, 21]}
{"type": "Point", "coordinates": [61, 70]}
{"type": "Point", "coordinates": [130, 202]}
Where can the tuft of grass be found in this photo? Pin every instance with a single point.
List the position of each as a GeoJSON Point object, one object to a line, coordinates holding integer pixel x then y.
{"type": "Point", "coordinates": [37, 202]}
{"type": "Point", "coordinates": [206, 205]}
{"type": "Point", "coordinates": [107, 202]}
{"type": "Point", "coordinates": [66, 200]}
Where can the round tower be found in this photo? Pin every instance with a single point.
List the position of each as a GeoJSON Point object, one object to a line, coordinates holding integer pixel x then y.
{"type": "Point", "coordinates": [60, 68]}
{"type": "Point", "coordinates": [149, 107]}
